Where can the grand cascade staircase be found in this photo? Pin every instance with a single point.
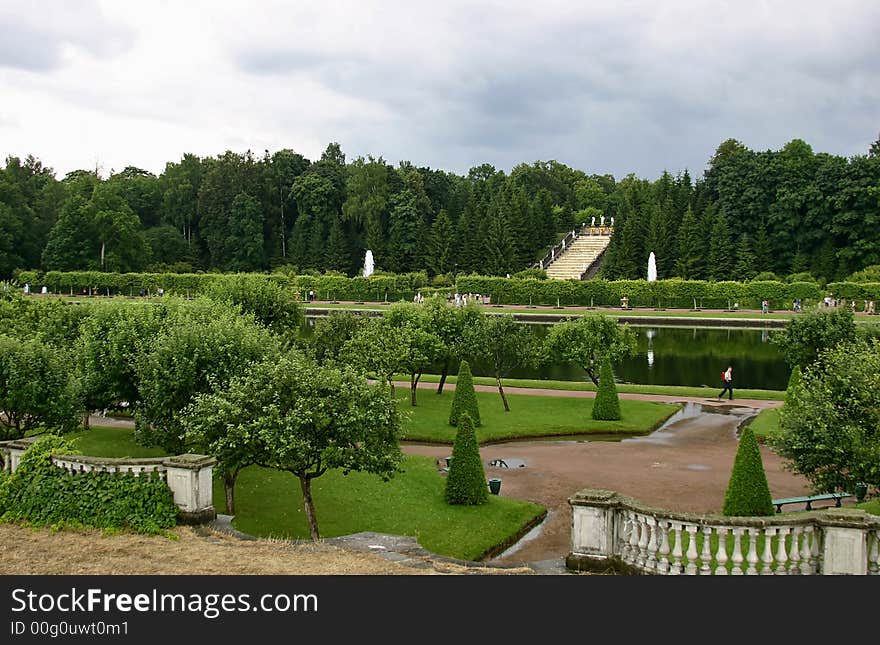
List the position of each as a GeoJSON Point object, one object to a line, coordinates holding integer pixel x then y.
{"type": "Point", "coordinates": [577, 256]}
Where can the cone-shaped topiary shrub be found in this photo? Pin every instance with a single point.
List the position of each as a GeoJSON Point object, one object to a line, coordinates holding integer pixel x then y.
{"type": "Point", "coordinates": [794, 381]}
{"type": "Point", "coordinates": [465, 399]}
{"type": "Point", "coordinates": [466, 481]}
{"type": "Point", "coordinates": [747, 492]}
{"type": "Point", "coordinates": [606, 406]}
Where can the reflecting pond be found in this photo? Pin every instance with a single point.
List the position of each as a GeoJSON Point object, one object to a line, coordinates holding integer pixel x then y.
{"type": "Point", "coordinates": [676, 356]}
{"type": "Point", "coordinates": [688, 356]}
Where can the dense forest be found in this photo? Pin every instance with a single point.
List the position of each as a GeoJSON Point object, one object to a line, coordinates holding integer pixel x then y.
{"type": "Point", "coordinates": [788, 212]}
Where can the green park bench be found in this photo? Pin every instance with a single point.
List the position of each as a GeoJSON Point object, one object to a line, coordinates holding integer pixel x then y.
{"type": "Point", "coordinates": [808, 500]}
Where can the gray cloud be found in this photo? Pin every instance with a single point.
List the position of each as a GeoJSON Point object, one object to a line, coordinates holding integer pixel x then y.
{"type": "Point", "coordinates": [33, 37]}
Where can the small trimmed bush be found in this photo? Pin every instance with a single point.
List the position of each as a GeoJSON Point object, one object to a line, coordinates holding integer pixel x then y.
{"type": "Point", "coordinates": [748, 494]}
{"type": "Point", "coordinates": [466, 481]}
{"type": "Point", "coordinates": [606, 407]}
{"type": "Point", "coordinates": [464, 401]}
{"type": "Point", "coordinates": [794, 382]}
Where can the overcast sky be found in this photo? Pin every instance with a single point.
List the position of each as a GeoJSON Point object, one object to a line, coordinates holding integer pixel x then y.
{"type": "Point", "coordinates": [607, 87]}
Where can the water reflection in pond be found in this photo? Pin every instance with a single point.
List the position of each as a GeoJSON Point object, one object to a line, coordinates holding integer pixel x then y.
{"type": "Point", "coordinates": [693, 356]}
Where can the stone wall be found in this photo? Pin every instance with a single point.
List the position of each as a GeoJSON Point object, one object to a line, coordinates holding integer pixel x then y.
{"type": "Point", "coordinates": [188, 476]}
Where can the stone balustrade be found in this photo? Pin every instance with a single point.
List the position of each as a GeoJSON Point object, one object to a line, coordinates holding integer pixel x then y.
{"type": "Point", "coordinates": [613, 531]}
{"type": "Point", "coordinates": [188, 476]}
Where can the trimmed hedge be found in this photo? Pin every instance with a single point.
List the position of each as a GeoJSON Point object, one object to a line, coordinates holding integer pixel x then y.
{"type": "Point", "coordinates": [327, 287]}
{"type": "Point", "coordinates": [641, 293]}
{"type": "Point", "coordinates": [748, 494]}
{"type": "Point", "coordinates": [673, 292]}
{"type": "Point", "coordinates": [466, 480]}
{"type": "Point", "coordinates": [40, 493]}
{"type": "Point", "coordinates": [606, 406]}
{"type": "Point", "coordinates": [464, 400]}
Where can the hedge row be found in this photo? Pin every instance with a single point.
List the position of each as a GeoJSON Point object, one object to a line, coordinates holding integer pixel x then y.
{"type": "Point", "coordinates": [641, 293]}
{"type": "Point", "coordinates": [662, 293]}
{"type": "Point", "coordinates": [326, 287]}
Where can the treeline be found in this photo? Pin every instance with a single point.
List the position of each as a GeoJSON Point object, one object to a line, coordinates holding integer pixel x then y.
{"type": "Point", "coordinates": [783, 212]}
{"type": "Point", "coordinates": [788, 213]}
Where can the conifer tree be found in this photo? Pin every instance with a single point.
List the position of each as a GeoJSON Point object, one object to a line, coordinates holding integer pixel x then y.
{"type": "Point", "coordinates": [721, 254]}
{"type": "Point", "coordinates": [466, 481]}
{"type": "Point", "coordinates": [691, 251]}
{"type": "Point", "coordinates": [606, 406]}
{"type": "Point", "coordinates": [763, 250]}
{"type": "Point", "coordinates": [744, 269]}
{"type": "Point", "coordinates": [464, 401]}
{"type": "Point", "coordinates": [748, 493]}
{"type": "Point", "coordinates": [441, 248]}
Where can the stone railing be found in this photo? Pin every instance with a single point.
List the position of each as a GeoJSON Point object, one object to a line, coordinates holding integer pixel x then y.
{"type": "Point", "coordinates": [613, 531]}
{"type": "Point", "coordinates": [188, 476]}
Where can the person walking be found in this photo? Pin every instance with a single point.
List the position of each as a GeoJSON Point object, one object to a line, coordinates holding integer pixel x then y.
{"type": "Point", "coordinates": [727, 383]}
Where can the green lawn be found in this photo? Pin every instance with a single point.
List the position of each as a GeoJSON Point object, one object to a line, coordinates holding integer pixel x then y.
{"type": "Point", "coordinates": [529, 417]}
{"type": "Point", "coordinates": [765, 423]}
{"type": "Point", "coordinates": [269, 504]}
{"type": "Point", "coordinates": [104, 441]}
{"type": "Point", "coordinates": [629, 388]}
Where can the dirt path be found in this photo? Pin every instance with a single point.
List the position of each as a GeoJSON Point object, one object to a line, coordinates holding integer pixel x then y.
{"type": "Point", "coordinates": [684, 467]}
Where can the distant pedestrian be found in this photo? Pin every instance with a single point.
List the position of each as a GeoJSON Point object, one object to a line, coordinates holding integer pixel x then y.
{"type": "Point", "coordinates": [27, 288]}
{"type": "Point", "coordinates": [764, 306]}
{"type": "Point", "coordinates": [727, 383]}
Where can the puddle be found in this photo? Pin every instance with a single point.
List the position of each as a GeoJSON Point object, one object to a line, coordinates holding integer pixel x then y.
{"type": "Point", "coordinates": [528, 537]}
{"type": "Point", "coordinates": [507, 462]}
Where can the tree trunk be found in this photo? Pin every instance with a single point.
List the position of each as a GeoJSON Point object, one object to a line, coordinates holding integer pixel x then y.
{"type": "Point", "coordinates": [305, 483]}
{"type": "Point", "coordinates": [413, 386]}
{"type": "Point", "coordinates": [443, 377]}
{"type": "Point", "coordinates": [501, 392]}
{"type": "Point", "coordinates": [103, 246]}
{"type": "Point", "coordinates": [229, 487]}
{"type": "Point", "coordinates": [593, 377]}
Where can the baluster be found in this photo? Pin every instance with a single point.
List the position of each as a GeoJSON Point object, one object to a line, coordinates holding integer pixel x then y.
{"type": "Point", "coordinates": [815, 550]}
{"type": "Point", "coordinates": [874, 557]}
{"type": "Point", "coordinates": [781, 556]}
{"type": "Point", "coordinates": [663, 554]}
{"type": "Point", "coordinates": [737, 557]}
{"type": "Point", "coordinates": [721, 552]}
{"type": "Point", "coordinates": [752, 557]}
{"type": "Point", "coordinates": [633, 538]}
{"type": "Point", "coordinates": [691, 568]}
{"type": "Point", "coordinates": [767, 555]}
{"type": "Point", "coordinates": [706, 555]}
{"type": "Point", "coordinates": [794, 550]}
{"type": "Point", "coordinates": [676, 567]}
{"type": "Point", "coordinates": [653, 544]}
{"type": "Point", "coordinates": [643, 542]}
{"type": "Point", "coordinates": [806, 565]}
{"type": "Point", "coordinates": [622, 535]}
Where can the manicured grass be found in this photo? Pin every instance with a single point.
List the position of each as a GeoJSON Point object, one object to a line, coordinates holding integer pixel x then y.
{"type": "Point", "coordinates": [766, 423]}
{"type": "Point", "coordinates": [269, 504]}
{"type": "Point", "coordinates": [871, 506]}
{"type": "Point", "coordinates": [629, 388]}
{"type": "Point", "coordinates": [103, 441]}
{"type": "Point", "coordinates": [529, 417]}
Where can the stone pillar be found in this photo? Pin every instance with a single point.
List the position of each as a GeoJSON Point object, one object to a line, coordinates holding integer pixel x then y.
{"type": "Point", "coordinates": [13, 451]}
{"type": "Point", "coordinates": [846, 542]}
{"type": "Point", "coordinates": [189, 478]}
{"type": "Point", "coordinates": [593, 526]}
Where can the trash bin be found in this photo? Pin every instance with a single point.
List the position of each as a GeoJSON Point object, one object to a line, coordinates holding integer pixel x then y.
{"type": "Point", "coordinates": [861, 491]}
{"type": "Point", "coordinates": [495, 486]}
